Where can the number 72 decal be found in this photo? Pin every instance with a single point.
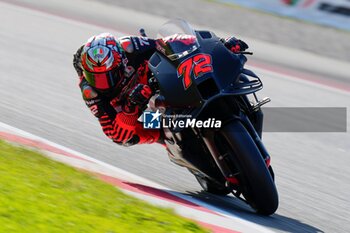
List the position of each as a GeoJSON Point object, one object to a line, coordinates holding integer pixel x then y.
{"type": "Point", "coordinates": [196, 65]}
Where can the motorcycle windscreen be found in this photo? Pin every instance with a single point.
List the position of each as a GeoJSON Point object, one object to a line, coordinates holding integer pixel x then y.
{"type": "Point", "coordinates": [176, 39]}
{"type": "Point", "coordinates": [177, 46]}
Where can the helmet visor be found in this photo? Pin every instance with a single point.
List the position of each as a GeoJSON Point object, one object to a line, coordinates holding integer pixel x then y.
{"type": "Point", "coordinates": [105, 80]}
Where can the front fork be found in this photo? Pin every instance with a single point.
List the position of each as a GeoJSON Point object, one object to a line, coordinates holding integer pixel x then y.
{"type": "Point", "coordinates": [226, 171]}
{"type": "Point", "coordinates": [254, 123]}
{"type": "Point", "coordinates": [219, 158]}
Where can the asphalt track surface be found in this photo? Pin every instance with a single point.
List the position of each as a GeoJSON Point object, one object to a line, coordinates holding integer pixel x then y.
{"type": "Point", "coordinates": [326, 41]}
{"type": "Point", "coordinates": [39, 94]}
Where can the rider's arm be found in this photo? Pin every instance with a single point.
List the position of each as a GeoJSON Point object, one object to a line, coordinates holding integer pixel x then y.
{"type": "Point", "coordinates": [120, 126]}
{"type": "Point", "coordinates": [138, 45]}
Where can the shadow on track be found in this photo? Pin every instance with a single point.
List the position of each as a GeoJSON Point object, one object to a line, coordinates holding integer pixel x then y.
{"type": "Point", "coordinates": [230, 205]}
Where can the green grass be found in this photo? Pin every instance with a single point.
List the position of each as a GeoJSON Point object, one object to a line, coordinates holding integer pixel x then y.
{"type": "Point", "coordinates": [41, 195]}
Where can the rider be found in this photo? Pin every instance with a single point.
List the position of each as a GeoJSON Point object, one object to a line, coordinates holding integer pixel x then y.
{"type": "Point", "coordinates": [115, 83]}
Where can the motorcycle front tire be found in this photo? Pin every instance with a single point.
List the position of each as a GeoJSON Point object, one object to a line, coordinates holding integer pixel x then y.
{"type": "Point", "coordinates": [258, 185]}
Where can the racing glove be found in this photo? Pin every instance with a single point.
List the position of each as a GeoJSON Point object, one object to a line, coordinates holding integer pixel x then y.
{"type": "Point", "coordinates": [235, 45]}
{"type": "Point", "coordinates": [126, 125]}
{"type": "Point", "coordinates": [140, 95]}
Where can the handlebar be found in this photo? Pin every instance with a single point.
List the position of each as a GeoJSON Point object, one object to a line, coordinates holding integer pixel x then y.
{"type": "Point", "coordinates": [246, 53]}
{"type": "Point", "coordinates": [142, 32]}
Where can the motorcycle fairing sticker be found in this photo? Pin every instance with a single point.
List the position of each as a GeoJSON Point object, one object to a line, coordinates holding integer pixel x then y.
{"type": "Point", "coordinates": [195, 66]}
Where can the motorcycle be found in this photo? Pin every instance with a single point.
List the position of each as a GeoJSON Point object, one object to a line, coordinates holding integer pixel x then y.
{"type": "Point", "coordinates": [199, 79]}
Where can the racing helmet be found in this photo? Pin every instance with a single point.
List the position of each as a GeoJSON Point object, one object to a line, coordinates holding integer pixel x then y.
{"type": "Point", "coordinates": [103, 62]}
